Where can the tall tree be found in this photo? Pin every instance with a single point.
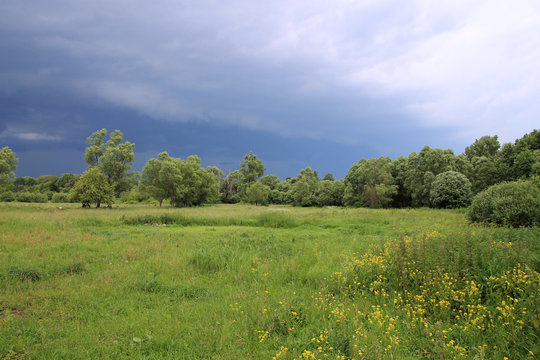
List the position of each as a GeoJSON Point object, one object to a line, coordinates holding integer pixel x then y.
{"type": "Point", "coordinates": [66, 181]}
{"type": "Point", "coordinates": [272, 181]}
{"type": "Point", "coordinates": [399, 171]}
{"type": "Point", "coordinates": [485, 173]}
{"type": "Point", "coordinates": [8, 165]}
{"type": "Point", "coordinates": [305, 188]}
{"type": "Point", "coordinates": [251, 169]}
{"type": "Point", "coordinates": [184, 182]}
{"type": "Point", "coordinates": [330, 192]}
{"type": "Point", "coordinates": [229, 187]}
{"type": "Point", "coordinates": [422, 168]}
{"type": "Point", "coordinates": [520, 159]}
{"type": "Point", "coordinates": [370, 183]}
{"type": "Point", "coordinates": [161, 178]}
{"type": "Point", "coordinates": [257, 193]}
{"type": "Point", "coordinates": [113, 156]}
{"type": "Point", "coordinates": [487, 146]}
{"type": "Point", "coordinates": [199, 185]}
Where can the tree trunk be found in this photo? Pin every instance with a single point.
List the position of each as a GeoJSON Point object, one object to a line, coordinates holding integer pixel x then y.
{"type": "Point", "coordinates": [160, 202]}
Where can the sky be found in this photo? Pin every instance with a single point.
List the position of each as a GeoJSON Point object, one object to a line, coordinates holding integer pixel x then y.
{"type": "Point", "coordinates": [299, 83]}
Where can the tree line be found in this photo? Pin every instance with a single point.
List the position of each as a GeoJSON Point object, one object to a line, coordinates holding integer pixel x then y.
{"type": "Point", "coordinates": [432, 177]}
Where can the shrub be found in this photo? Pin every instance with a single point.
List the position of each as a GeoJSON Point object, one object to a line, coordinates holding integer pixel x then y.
{"type": "Point", "coordinates": [450, 190]}
{"type": "Point", "coordinates": [60, 198]}
{"type": "Point", "coordinates": [7, 196]}
{"type": "Point", "coordinates": [31, 197]}
{"type": "Point", "coordinates": [515, 204]}
{"type": "Point", "coordinates": [134, 196]}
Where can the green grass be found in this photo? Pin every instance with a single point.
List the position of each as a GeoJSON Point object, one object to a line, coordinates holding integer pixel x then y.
{"type": "Point", "coordinates": [247, 282]}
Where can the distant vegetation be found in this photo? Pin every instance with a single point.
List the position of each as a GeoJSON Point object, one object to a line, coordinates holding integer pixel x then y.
{"type": "Point", "coordinates": [431, 178]}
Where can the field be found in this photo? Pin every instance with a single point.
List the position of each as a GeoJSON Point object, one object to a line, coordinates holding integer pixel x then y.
{"type": "Point", "coordinates": [247, 282]}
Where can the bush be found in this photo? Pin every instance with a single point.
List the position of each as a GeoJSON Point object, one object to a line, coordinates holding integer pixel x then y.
{"type": "Point", "coordinates": [450, 190]}
{"type": "Point", "coordinates": [31, 197]}
{"type": "Point", "coordinates": [60, 198]}
{"type": "Point", "coordinates": [7, 196]}
{"type": "Point", "coordinates": [515, 204]}
{"type": "Point", "coordinates": [134, 196]}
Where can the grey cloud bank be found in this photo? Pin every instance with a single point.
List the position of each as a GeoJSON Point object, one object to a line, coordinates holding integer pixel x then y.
{"type": "Point", "coordinates": [370, 78]}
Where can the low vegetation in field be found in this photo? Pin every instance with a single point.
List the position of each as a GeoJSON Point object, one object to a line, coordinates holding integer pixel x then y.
{"type": "Point", "coordinates": [247, 282]}
{"type": "Point", "coordinates": [434, 297]}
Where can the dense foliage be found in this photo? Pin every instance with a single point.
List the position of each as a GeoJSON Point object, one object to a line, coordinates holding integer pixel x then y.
{"type": "Point", "coordinates": [370, 183]}
{"type": "Point", "coordinates": [428, 178]}
{"type": "Point", "coordinates": [515, 203]}
{"type": "Point", "coordinates": [93, 187]}
{"type": "Point", "coordinates": [31, 197]}
{"type": "Point", "coordinates": [450, 190]}
{"type": "Point", "coordinates": [113, 157]}
{"type": "Point", "coordinates": [182, 182]}
{"type": "Point", "coordinates": [8, 165]}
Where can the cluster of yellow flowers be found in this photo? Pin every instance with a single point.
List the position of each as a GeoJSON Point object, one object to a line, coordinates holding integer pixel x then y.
{"type": "Point", "coordinates": [456, 312]}
{"type": "Point", "coordinates": [390, 303]}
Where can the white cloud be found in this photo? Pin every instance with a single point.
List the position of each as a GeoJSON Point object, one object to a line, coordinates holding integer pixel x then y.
{"type": "Point", "coordinates": [481, 76]}
{"type": "Point", "coordinates": [29, 136]}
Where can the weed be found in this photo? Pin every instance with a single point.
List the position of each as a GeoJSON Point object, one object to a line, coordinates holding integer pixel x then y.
{"type": "Point", "coordinates": [75, 267]}
{"type": "Point", "coordinates": [26, 274]}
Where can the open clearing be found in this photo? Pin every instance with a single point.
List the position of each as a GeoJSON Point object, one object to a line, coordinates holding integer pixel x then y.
{"type": "Point", "coordinates": [247, 282]}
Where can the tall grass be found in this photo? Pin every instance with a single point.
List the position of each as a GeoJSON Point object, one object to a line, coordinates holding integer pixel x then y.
{"type": "Point", "coordinates": [239, 282]}
{"type": "Point", "coordinates": [272, 220]}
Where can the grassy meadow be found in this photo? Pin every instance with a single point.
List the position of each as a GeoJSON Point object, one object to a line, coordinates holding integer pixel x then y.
{"type": "Point", "coordinates": [248, 282]}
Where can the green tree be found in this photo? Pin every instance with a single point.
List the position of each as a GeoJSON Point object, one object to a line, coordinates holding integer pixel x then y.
{"type": "Point", "coordinates": [217, 173]}
{"type": "Point", "coordinates": [161, 178]}
{"type": "Point", "coordinates": [370, 183]}
{"type": "Point", "coordinates": [66, 181]}
{"type": "Point", "coordinates": [272, 181]}
{"type": "Point", "coordinates": [24, 182]}
{"type": "Point", "coordinates": [304, 190]}
{"type": "Point", "coordinates": [525, 162]}
{"type": "Point", "coordinates": [520, 159]}
{"type": "Point", "coordinates": [251, 169]}
{"type": "Point", "coordinates": [257, 193]}
{"type": "Point", "coordinates": [46, 183]}
{"type": "Point", "coordinates": [284, 192]}
{"type": "Point", "coordinates": [8, 165]}
{"type": "Point", "coordinates": [184, 182]}
{"type": "Point", "coordinates": [487, 146]}
{"type": "Point", "coordinates": [113, 156]}
{"type": "Point", "coordinates": [93, 187]}
{"type": "Point", "coordinates": [421, 170]}
{"type": "Point", "coordinates": [485, 173]}
{"type": "Point", "coordinates": [229, 188]}
{"type": "Point", "coordinates": [330, 193]}
{"type": "Point", "coordinates": [328, 177]}
{"type": "Point", "coordinates": [450, 190]}
{"type": "Point", "coordinates": [399, 172]}
{"type": "Point", "coordinates": [198, 185]}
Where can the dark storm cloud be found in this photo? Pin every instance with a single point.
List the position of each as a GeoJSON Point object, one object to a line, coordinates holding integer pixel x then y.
{"type": "Point", "coordinates": [345, 78]}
